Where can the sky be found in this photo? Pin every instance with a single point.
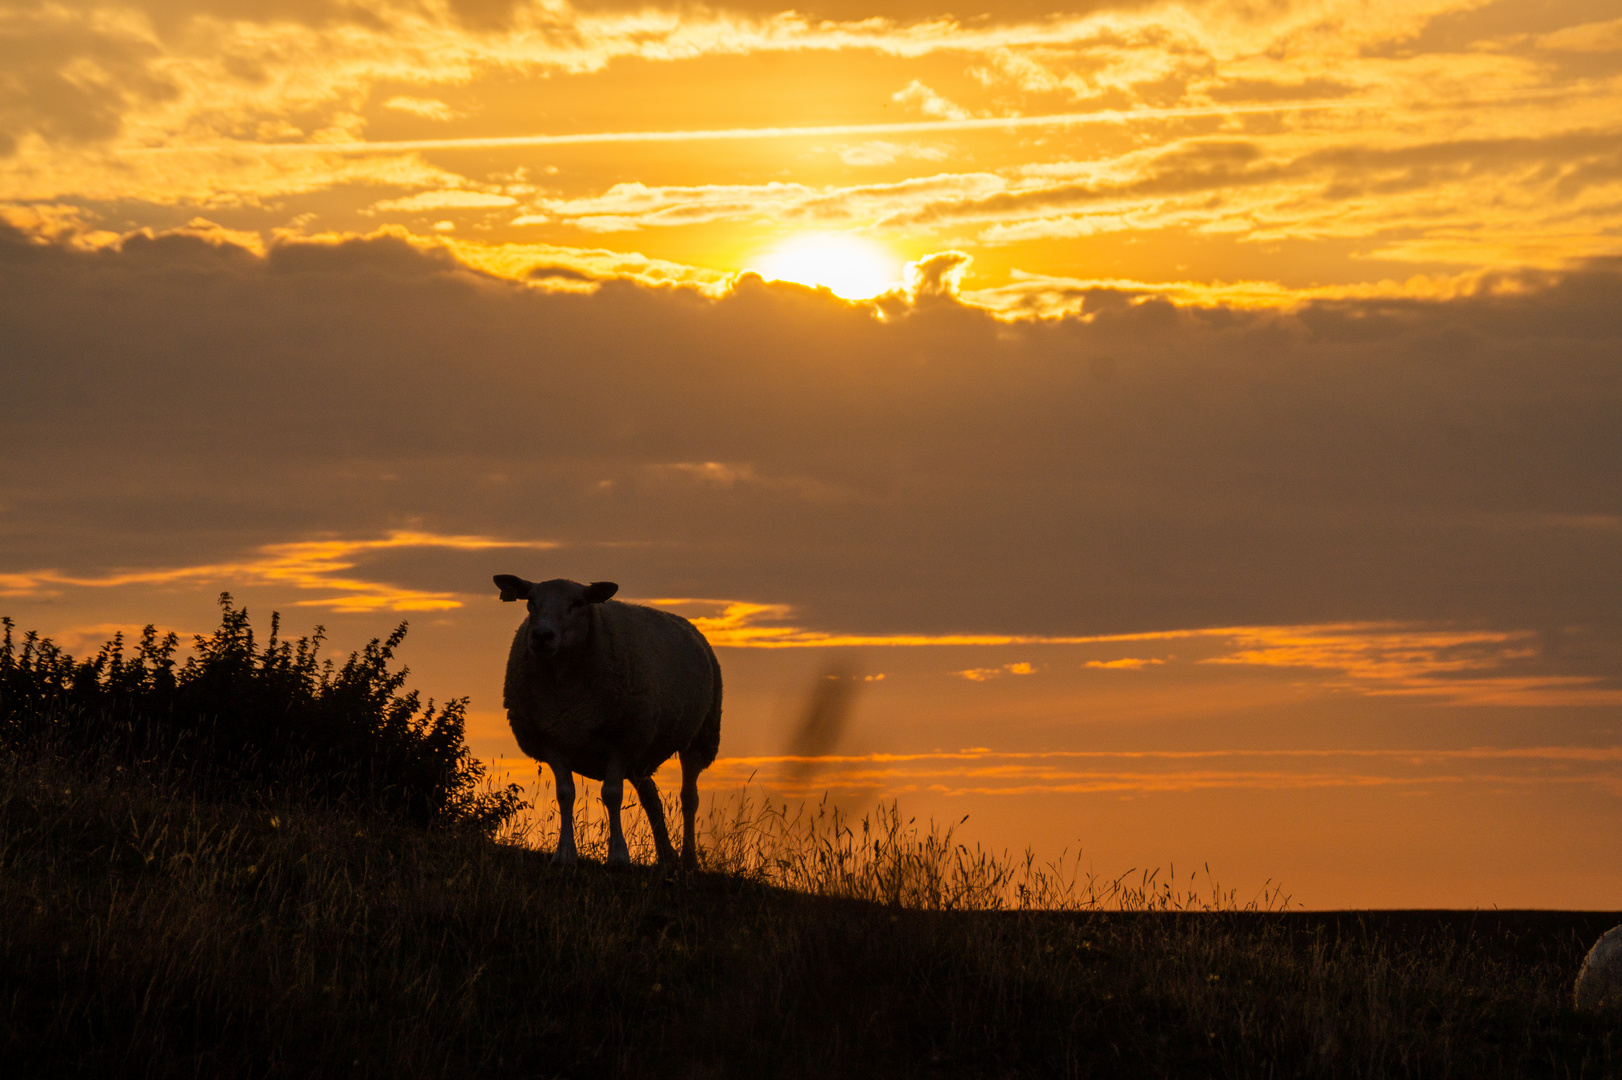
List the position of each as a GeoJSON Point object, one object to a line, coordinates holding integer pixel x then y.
{"type": "Point", "coordinates": [1189, 432]}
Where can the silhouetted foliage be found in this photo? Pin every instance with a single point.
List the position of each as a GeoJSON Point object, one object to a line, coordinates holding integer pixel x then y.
{"type": "Point", "coordinates": [236, 716]}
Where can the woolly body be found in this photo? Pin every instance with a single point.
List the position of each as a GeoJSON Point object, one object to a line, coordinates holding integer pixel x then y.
{"type": "Point", "coordinates": [646, 686]}
{"type": "Point", "coordinates": [1599, 980]}
{"type": "Point", "coordinates": [611, 690]}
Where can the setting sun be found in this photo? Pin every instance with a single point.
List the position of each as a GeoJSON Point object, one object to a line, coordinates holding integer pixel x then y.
{"type": "Point", "coordinates": [847, 265]}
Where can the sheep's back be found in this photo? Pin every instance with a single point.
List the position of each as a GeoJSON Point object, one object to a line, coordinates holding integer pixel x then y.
{"type": "Point", "coordinates": [664, 675]}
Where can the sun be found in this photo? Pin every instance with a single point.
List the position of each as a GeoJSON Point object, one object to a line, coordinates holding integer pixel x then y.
{"type": "Point", "coordinates": [848, 266]}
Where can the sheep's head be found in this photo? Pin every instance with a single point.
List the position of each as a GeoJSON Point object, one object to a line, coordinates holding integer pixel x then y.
{"type": "Point", "coordinates": [559, 610]}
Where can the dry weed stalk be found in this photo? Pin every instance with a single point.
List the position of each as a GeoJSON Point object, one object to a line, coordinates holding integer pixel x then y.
{"type": "Point", "coordinates": [888, 858]}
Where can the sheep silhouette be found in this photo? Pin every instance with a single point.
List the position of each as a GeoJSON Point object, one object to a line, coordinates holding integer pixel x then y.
{"type": "Point", "coordinates": [611, 690]}
{"type": "Point", "coordinates": [1599, 980]}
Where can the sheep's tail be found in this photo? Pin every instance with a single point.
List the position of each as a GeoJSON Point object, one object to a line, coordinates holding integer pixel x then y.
{"type": "Point", "coordinates": [707, 743]}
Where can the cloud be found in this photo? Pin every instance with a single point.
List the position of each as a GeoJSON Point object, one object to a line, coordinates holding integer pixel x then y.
{"type": "Point", "coordinates": [427, 108]}
{"type": "Point", "coordinates": [928, 102]}
{"type": "Point", "coordinates": [306, 565]}
{"type": "Point", "coordinates": [1474, 667]}
{"type": "Point", "coordinates": [879, 152]}
{"type": "Point", "coordinates": [625, 207]}
{"type": "Point", "coordinates": [934, 475]}
{"type": "Point", "coordinates": [1009, 773]}
{"type": "Point", "coordinates": [1418, 148]}
{"type": "Point", "coordinates": [578, 269]}
{"type": "Point", "coordinates": [74, 78]}
{"type": "Point", "coordinates": [1045, 296]}
{"type": "Point", "coordinates": [57, 222]}
{"type": "Point", "coordinates": [445, 200]}
{"type": "Point", "coordinates": [986, 674]}
{"type": "Point", "coordinates": [725, 475]}
{"type": "Point", "coordinates": [1010, 123]}
{"type": "Point", "coordinates": [1532, 199]}
{"type": "Point", "coordinates": [744, 624]}
{"type": "Point", "coordinates": [631, 206]}
{"type": "Point", "coordinates": [1588, 37]}
{"type": "Point", "coordinates": [938, 275]}
{"type": "Point", "coordinates": [1536, 185]}
{"type": "Point", "coordinates": [1464, 667]}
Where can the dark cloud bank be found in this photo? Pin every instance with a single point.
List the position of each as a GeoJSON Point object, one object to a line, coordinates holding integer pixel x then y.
{"type": "Point", "coordinates": [1145, 467]}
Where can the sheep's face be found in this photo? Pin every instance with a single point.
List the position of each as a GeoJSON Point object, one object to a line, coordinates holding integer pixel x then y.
{"type": "Point", "coordinates": [559, 610]}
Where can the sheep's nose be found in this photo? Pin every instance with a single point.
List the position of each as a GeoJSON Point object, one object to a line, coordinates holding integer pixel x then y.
{"type": "Point", "coordinates": [543, 639]}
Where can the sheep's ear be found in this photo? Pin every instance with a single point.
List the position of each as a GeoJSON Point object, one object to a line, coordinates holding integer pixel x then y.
{"type": "Point", "coordinates": [598, 591]}
{"type": "Point", "coordinates": [513, 588]}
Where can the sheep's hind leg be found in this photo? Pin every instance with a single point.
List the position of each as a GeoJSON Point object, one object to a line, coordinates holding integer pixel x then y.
{"type": "Point", "coordinates": [563, 780]}
{"type": "Point", "coordinates": [689, 811]}
{"type": "Point", "coordinates": [648, 792]}
{"type": "Point", "coordinates": [613, 797]}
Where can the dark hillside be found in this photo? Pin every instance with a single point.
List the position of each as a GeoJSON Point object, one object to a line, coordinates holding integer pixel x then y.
{"type": "Point", "coordinates": [155, 927]}
{"type": "Point", "coordinates": [149, 934]}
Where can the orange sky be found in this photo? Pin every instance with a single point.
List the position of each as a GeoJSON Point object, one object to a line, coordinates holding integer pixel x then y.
{"type": "Point", "coordinates": [1209, 437]}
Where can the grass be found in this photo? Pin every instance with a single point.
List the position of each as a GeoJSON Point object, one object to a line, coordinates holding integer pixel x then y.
{"type": "Point", "coordinates": [152, 933]}
{"type": "Point", "coordinates": [261, 864]}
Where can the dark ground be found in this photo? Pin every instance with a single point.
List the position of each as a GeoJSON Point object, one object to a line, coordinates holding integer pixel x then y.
{"type": "Point", "coordinates": [147, 934]}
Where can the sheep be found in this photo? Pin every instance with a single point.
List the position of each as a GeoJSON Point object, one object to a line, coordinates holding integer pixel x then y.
{"type": "Point", "coordinates": [1599, 980]}
{"type": "Point", "coordinates": [610, 690]}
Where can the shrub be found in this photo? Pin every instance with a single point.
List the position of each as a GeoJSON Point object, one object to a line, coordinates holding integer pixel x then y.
{"type": "Point", "coordinates": [239, 717]}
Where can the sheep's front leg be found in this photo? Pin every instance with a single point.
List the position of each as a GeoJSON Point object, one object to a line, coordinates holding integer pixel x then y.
{"type": "Point", "coordinates": [613, 796]}
{"type": "Point", "coordinates": [649, 794]}
{"type": "Point", "coordinates": [689, 812]}
{"type": "Point", "coordinates": [563, 780]}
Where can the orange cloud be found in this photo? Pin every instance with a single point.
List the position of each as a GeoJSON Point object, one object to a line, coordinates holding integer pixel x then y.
{"type": "Point", "coordinates": [309, 564]}
{"type": "Point", "coordinates": [749, 625]}
{"type": "Point", "coordinates": [1462, 666]}
{"type": "Point", "coordinates": [1465, 667]}
{"type": "Point", "coordinates": [983, 674]}
{"type": "Point", "coordinates": [988, 772]}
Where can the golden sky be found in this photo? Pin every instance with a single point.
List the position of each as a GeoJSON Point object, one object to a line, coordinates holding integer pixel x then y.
{"type": "Point", "coordinates": [1331, 147]}
{"type": "Point", "coordinates": [1207, 450]}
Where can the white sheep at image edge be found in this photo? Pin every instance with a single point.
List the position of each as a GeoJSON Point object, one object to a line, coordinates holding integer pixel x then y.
{"type": "Point", "coordinates": [1599, 980]}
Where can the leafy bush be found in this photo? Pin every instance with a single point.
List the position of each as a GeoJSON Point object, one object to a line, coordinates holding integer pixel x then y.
{"type": "Point", "coordinates": [237, 717]}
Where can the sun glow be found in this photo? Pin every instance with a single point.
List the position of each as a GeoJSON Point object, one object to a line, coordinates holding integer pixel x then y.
{"type": "Point", "coordinates": [847, 265]}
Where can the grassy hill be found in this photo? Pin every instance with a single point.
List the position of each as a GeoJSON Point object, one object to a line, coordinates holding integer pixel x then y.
{"type": "Point", "coordinates": [159, 925]}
